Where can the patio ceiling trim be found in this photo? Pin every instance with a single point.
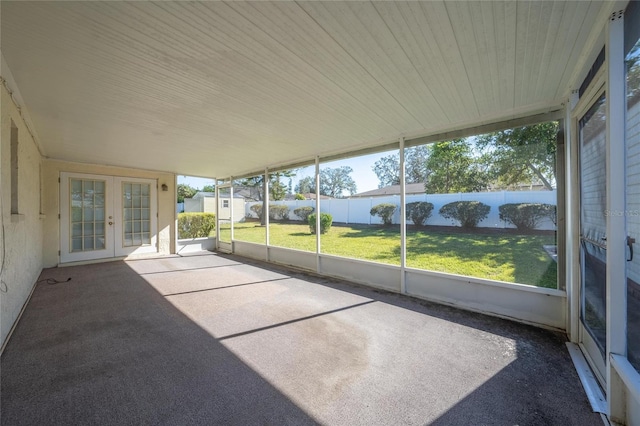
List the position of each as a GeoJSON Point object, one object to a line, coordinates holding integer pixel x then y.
{"type": "Point", "coordinates": [487, 128]}
{"type": "Point", "coordinates": [556, 114]}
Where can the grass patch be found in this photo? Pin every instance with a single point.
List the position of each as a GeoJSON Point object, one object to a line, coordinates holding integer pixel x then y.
{"type": "Point", "coordinates": [503, 256]}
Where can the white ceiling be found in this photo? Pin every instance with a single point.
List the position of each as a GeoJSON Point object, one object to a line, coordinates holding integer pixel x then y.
{"type": "Point", "coordinates": [219, 89]}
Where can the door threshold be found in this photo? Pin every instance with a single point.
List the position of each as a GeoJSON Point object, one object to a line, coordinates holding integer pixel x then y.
{"type": "Point", "coordinates": [588, 379]}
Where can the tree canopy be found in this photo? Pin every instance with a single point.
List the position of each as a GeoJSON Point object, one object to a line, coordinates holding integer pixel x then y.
{"type": "Point", "coordinates": [388, 168]}
{"type": "Point", "coordinates": [500, 160]}
{"type": "Point", "coordinates": [306, 185]}
{"type": "Point", "coordinates": [185, 191]}
{"type": "Point", "coordinates": [334, 182]}
{"type": "Point", "coordinates": [277, 189]}
{"type": "Point", "coordinates": [453, 167]}
{"type": "Point", "coordinates": [522, 155]}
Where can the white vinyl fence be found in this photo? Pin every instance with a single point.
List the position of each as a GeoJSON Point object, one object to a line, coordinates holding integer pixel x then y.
{"type": "Point", "coordinates": [356, 210]}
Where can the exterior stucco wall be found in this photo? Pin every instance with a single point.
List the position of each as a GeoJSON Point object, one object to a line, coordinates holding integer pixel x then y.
{"type": "Point", "coordinates": [23, 233]}
{"type": "Point", "coordinates": [51, 203]}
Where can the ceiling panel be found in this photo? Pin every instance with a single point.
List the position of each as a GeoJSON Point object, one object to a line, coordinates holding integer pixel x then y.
{"type": "Point", "coordinates": [217, 89]}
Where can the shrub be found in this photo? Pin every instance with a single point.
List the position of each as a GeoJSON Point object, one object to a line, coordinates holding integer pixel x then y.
{"type": "Point", "coordinates": [304, 212]}
{"type": "Point", "coordinates": [257, 209]}
{"type": "Point", "coordinates": [299, 197]}
{"type": "Point", "coordinates": [385, 211]}
{"type": "Point", "coordinates": [278, 212]}
{"type": "Point", "coordinates": [468, 213]}
{"type": "Point", "coordinates": [325, 222]}
{"type": "Point", "coordinates": [419, 212]}
{"type": "Point", "coordinates": [195, 225]}
{"type": "Point", "coordinates": [526, 216]}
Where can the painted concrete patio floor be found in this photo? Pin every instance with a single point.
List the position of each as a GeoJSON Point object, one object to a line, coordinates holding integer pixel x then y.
{"type": "Point", "coordinates": [212, 339]}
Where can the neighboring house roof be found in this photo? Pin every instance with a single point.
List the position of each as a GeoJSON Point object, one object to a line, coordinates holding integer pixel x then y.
{"type": "Point", "coordinates": [246, 193]}
{"type": "Point", "coordinates": [410, 188]}
{"type": "Point", "coordinates": [202, 194]}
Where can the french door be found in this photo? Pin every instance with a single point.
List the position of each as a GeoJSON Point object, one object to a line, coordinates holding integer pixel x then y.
{"type": "Point", "coordinates": [593, 239]}
{"type": "Point", "coordinates": [106, 216]}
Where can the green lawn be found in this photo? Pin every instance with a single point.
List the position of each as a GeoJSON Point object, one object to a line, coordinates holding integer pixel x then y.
{"type": "Point", "coordinates": [496, 256]}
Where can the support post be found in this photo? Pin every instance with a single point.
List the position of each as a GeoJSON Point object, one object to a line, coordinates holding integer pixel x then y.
{"type": "Point", "coordinates": [616, 221]}
{"type": "Point", "coordinates": [403, 220]}
{"type": "Point", "coordinates": [572, 232]}
{"type": "Point", "coordinates": [265, 212]}
{"type": "Point", "coordinates": [217, 214]}
{"type": "Point", "coordinates": [231, 211]}
{"type": "Point", "coordinates": [318, 266]}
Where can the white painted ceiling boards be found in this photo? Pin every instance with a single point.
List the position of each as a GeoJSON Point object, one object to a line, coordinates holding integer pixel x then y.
{"type": "Point", "coordinates": [218, 89]}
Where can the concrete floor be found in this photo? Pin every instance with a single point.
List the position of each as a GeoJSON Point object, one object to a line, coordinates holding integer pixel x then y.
{"type": "Point", "coordinates": [212, 339]}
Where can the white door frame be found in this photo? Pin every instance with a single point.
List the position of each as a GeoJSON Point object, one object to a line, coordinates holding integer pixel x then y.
{"type": "Point", "coordinates": [66, 252]}
{"type": "Point", "coordinates": [589, 347]}
{"type": "Point", "coordinates": [113, 219]}
{"type": "Point", "coordinates": [118, 217]}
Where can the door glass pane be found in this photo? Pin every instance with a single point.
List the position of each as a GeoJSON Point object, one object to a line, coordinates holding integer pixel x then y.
{"type": "Point", "coordinates": [99, 200]}
{"type": "Point", "coordinates": [76, 214]}
{"type": "Point", "coordinates": [76, 186]}
{"type": "Point", "coordinates": [76, 230]}
{"type": "Point", "coordinates": [136, 214]}
{"type": "Point", "coordinates": [87, 214]}
{"type": "Point", "coordinates": [100, 243]}
{"type": "Point", "coordinates": [633, 197]}
{"type": "Point", "coordinates": [76, 244]}
{"type": "Point", "coordinates": [593, 222]}
{"type": "Point", "coordinates": [88, 243]}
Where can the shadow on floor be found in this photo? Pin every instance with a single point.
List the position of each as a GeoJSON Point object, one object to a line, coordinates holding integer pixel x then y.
{"type": "Point", "coordinates": [108, 348]}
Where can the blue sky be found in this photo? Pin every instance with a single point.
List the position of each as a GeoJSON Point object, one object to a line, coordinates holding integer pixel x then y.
{"type": "Point", "coordinates": [363, 174]}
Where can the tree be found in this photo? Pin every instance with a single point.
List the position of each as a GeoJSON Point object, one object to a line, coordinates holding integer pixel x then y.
{"type": "Point", "coordinates": [415, 162]}
{"type": "Point", "coordinates": [306, 185]}
{"type": "Point", "coordinates": [388, 168]}
{"type": "Point", "coordinates": [185, 191]}
{"type": "Point", "coordinates": [277, 190]}
{"type": "Point", "coordinates": [335, 181]}
{"type": "Point", "coordinates": [209, 188]}
{"type": "Point", "coordinates": [453, 167]}
{"type": "Point", "coordinates": [523, 155]}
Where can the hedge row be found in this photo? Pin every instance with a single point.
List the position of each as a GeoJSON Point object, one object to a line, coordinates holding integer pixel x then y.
{"type": "Point", "coordinates": [524, 216]}
{"type": "Point", "coordinates": [195, 225]}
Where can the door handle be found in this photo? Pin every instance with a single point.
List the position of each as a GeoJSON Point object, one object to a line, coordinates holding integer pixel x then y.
{"type": "Point", "coordinates": [630, 242]}
{"type": "Point", "coordinates": [110, 223]}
